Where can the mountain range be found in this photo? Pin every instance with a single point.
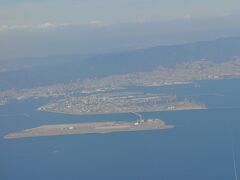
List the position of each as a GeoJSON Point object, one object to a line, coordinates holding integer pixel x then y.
{"type": "Point", "coordinates": [49, 70]}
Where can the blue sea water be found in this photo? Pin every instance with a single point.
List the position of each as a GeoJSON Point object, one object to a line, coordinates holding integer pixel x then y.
{"type": "Point", "coordinates": [198, 148]}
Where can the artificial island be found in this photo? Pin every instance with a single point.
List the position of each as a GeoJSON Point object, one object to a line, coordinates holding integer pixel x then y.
{"type": "Point", "coordinates": [116, 102]}
{"type": "Point", "coordinates": [88, 128]}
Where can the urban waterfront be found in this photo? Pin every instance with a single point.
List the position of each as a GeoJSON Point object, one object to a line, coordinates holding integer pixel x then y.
{"type": "Point", "coordinates": [199, 147]}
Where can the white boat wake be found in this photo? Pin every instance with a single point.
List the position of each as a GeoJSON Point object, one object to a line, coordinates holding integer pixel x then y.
{"type": "Point", "coordinates": [234, 160]}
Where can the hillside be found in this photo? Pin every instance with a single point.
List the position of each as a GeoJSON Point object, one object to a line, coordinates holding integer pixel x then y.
{"type": "Point", "coordinates": [81, 67]}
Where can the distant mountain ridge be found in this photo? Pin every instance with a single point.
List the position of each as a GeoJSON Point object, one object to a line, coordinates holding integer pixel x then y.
{"type": "Point", "coordinates": [78, 67]}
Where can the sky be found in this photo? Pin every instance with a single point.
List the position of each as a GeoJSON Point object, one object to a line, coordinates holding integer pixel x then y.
{"type": "Point", "coordinates": [28, 27]}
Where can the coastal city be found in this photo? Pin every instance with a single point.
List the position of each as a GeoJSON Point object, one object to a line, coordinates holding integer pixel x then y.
{"type": "Point", "coordinates": [161, 76]}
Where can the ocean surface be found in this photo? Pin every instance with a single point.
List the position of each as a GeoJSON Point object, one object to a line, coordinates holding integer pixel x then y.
{"type": "Point", "coordinates": [198, 148]}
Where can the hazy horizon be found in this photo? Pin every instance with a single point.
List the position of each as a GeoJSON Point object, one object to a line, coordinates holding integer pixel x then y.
{"type": "Point", "coordinates": [48, 28]}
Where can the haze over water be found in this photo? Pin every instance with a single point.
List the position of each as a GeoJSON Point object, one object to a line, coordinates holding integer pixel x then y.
{"type": "Point", "coordinates": [198, 148]}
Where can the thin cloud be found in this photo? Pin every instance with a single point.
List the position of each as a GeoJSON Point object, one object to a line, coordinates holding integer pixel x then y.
{"type": "Point", "coordinates": [98, 23]}
{"type": "Point", "coordinates": [46, 25]}
{"type": "Point", "coordinates": [6, 27]}
{"type": "Point", "coordinates": [187, 16]}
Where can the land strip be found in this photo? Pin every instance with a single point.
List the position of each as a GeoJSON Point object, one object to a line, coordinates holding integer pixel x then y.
{"type": "Point", "coordinates": [89, 128]}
